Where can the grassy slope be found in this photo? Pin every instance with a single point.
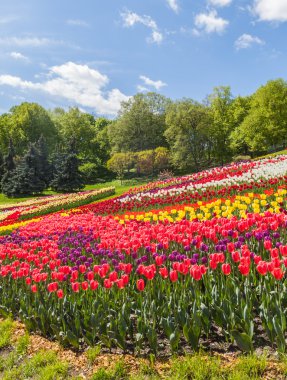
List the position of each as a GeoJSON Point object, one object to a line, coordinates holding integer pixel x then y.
{"type": "Point", "coordinates": [120, 189]}
{"type": "Point", "coordinates": [272, 154]}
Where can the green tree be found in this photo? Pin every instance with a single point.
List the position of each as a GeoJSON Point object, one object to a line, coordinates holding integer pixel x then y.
{"type": "Point", "coordinates": [220, 102]}
{"type": "Point", "coordinates": [81, 126]}
{"type": "Point", "coordinates": [1, 165]}
{"type": "Point", "coordinates": [239, 109]}
{"type": "Point", "coordinates": [68, 177]}
{"type": "Point", "coordinates": [26, 178]}
{"type": "Point", "coordinates": [140, 125]}
{"type": "Point", "coordinates": [8, 168]}
{"type": "Point", "coordinates": [162, 158]}
{"type": "Point", "coordinates": [4, 132]}
{"type": "Point", "coordinates": [188, 134]}
{"type": "Point", "coordinates": [27, 122]}
{"type": "Point", "coordinates": [265, 126]}
{"type": "Point", "coordinates": [45, 167]}
{"type": "Point", "coordinates": [120, 163]}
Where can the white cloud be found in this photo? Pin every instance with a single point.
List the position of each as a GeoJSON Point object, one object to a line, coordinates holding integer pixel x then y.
{"type": "Point", "coordinates": [271, 10]}
{"type": "Point", "coordinates": [142, 88]}
{"type": "Point", "coordinates": [156, 84]}
{"type": "Point", "coordinates": [18, 56]}
{"type": "Point", "coordinates": [210, 22]}
{"type": "Point", "coordinates": [77, 84]}
{"type": "Point", "coordinates": [80, 23]}
{"type": "Point", "coordinates": [247, 40]}
{"type": "Point", "coordinates": [131, 18]}
{"type": "Point", "coordinates": [220, 3]}
{"type": "Point", "coordinates": [173, 4]}
{"type": "Point", "coordinates": [156, 37]}
{"type": "Point", "coordinates": [28, 41]}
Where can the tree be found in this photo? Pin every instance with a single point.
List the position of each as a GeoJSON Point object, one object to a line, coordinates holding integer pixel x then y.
{"type": "Point", "coordinates": [68, 177]}
{"type": "Point", "coordinates": [8, 168]}
{"type": "Point", "coordinates": [265, 126]}
{"type": "Point", "coordinates": [141, 124]}
{"type": "Point", "coordinates": [222, 123]}
{"type": "Point", "coordinates": [26, 178]}
{"type": "Point", "coordinates": [27, 122]}
{"type": "Point", "coordinates": [1, 166]}
{"type": "Point", "coordinates": [80, 125]}
{"type": "Point", "coordinates": [239, 109]}
{"type": "Point", "coordinates": [187, 133]}
{"type": "Point", "coordinates": [45, 168]}
{"type": "Point", "coordinates": [162, 159]}
{"type": "Point", "coordinates": [119, 163]}
{"type": "Point", "coordinates": [145, 162]}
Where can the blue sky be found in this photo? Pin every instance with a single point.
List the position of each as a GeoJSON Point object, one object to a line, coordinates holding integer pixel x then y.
{"type": "Point", "coordinates": [96, 53]}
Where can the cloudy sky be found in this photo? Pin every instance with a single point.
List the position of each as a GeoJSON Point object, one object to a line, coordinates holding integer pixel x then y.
{"type": "Point", "coordinates": [96, 53]}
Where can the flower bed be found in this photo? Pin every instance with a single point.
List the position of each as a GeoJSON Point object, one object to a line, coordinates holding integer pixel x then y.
{"type": "Point", "coordinates": [207, 264]}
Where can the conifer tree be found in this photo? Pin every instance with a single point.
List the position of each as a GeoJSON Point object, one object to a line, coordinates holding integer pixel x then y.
{"type": "Point", "coordinates": [26, 178]}
{"type": "Point", "coordinates": [8, 169]}
{"type": "Point", "coordinates": [1, 167]}
{"type": "Point", "coordinates": [45, 168]}
{"type": "Point", "coordinates": [67, 177]}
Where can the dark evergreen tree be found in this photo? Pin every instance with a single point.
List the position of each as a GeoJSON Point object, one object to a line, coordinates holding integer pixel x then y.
{"type": "Point", "coordinates": [45, 168]}
{"type": "Point", "coordinates": [1, 166]}
{"type": "Point", "coordinates": [8, 169]}
{"type": "Point", "coordinates": [67, 177]}
{"type": "Point", "coordinates": [26, 178]}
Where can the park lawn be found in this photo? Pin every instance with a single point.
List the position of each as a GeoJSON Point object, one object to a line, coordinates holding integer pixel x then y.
{"type": "Point", "coordinates": [24, 356]}
{"type": "Point", "coordinates": [120, 188]}
{"type": "Point", "coordinates": [281, 152]}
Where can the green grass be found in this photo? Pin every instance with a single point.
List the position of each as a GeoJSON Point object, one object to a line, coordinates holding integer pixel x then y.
{"type": "Point", "coordinates": [6, 329]}
{"type": "Point", "coordinates": [92, 353]}
{"type": "Point", "coordinates": [272, 154]}
{"type": "Point", "coordinates": [44, 365]}
{"type": "Point", "coordinates": [119, 187]}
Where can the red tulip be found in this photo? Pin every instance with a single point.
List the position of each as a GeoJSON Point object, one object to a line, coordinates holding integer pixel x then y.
{"type": "Point", "coordinates": [85, 285]}
{"type": "Point", "coordinates": [226, 269]}
{"type": "Point", "coordinates": [75, 287]}
{"type": "Point", "coordinates": [140, 285]}
{"type": "Point", "coordinates": [107, 283]}
{"type": "Point", "coordinates": [94, 284]}
{"type": "Point", "coordinates": [173, 276]}
{"type": "Point", "coordinates": [60, 293]}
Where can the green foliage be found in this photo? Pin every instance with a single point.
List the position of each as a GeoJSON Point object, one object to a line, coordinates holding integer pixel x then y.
{"type": "Point", "coordinates": [44, 167]}
{"type": "Point", "coordinates": [265, 125]}
{"type": "Point", "coordinates": [220, 102]}
{"type": "Point", "coordinates": [8, 168]}
{"type": "Point", "coordinates": [119, 163]}
{"type": "Point", "coordinates": [90, 171]}
{"type": "Point", "coordinates": [140, 125]}
{"type": "Point", "coordinates": [196, 367]}
{"type": "Point", "coordinates": [26, 179]}
{"type": "Point", "coordinates": [92, 353]}
{"type": "Point", "coordinates": [67, 177]}
{"type": "Point", "coordinates": [6, 328]}
{"type": "Point", "coordinates": [22, 344]}
{"type": "Point", "coordinates": [119, 372]}
{"type": "Point", "coordinates": [26, 123]}
{"type": "Point", "coordinates": [188, 134]}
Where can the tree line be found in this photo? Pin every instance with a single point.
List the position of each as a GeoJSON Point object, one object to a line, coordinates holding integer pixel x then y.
{"type": "Point", "coordinates": [152, 133]}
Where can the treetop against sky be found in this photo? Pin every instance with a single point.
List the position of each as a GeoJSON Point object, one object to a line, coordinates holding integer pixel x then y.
{"type": "Point", "coordinates": [95, 54]}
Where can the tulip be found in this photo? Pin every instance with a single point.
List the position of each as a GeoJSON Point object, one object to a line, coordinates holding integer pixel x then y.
{"type": "Point", "coordinates": [140, 285]}
{"type": "Point", "coordinates": [226, 269]}
{"type": "Point", "coordinates": [173, 275]}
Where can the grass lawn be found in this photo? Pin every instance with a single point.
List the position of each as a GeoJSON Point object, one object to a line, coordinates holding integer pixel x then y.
{"type": "Point", "coordinates": [120, 189]}
{"type": "Point", "coordinates": [272, 154]}
{"type": "Point", "coordinates": [24, 356]}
